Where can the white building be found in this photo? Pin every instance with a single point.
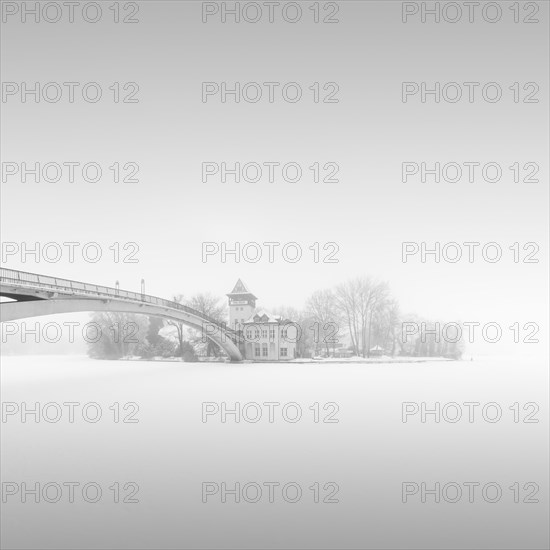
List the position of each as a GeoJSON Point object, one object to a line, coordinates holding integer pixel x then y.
{"type": "Point", "coordinates": [266, 337]}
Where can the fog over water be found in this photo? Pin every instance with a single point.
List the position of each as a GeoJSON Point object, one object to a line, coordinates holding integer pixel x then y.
{"type": "Point", "coordinates": [169, 453]}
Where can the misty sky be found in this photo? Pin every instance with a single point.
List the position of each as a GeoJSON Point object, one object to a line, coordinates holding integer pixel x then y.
{"type": "Point", "coordinates": [369, 133]}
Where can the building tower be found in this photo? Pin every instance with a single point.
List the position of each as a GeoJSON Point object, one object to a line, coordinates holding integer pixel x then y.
{"type": "Point", "coordinates": [242, 304]}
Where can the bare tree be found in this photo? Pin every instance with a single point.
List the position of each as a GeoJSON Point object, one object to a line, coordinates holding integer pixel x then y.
{"type": "Point", "coordinates": [209, 305]}
{"type": "Point", "coordinates": [377, 302]}
{"type": "Point", "coordinates": [354, 300]}
{"type": "Point", "coordinates": [118, 334]}
{"type": "Point", "coordinates": [322, 308]}
{"type": "Point", "coordinates": [391, 325]}
{"type": "Point", "coordinates": [361, 303]}
{"type": "Point", "coordinates": [365, 295]}
{"type": "Point", "coordinates": [347, 301]}
{"type": "Point", "coordinates": [179, 299]}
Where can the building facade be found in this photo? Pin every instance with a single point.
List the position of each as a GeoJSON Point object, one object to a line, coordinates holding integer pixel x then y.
{"type": "Point", "coordinates": [265, 337]}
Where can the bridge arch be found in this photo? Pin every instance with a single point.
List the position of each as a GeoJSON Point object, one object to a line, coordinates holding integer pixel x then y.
{"type": "Point", "coordinates": [48, 296]}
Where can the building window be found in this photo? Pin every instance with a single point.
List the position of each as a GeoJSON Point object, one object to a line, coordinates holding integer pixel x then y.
{"type": "Point", "coordinates": [284, 352]}
{"type": "Point", "coordinates": [264, 350]}
{"type": "Point", "coordinates": [264, 333]}
{"type": "Point", "coordinates": [249, 334]}
{"type": "Point", "coordinates": [272, 333]}
{"type": "Point", "coordinates": [257, 350]}
{"type": "Point", "coordinates": [256, 333]}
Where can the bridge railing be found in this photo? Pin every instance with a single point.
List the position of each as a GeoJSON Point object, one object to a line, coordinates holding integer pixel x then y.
{"type": "Point", "coordinates": [77, 287]}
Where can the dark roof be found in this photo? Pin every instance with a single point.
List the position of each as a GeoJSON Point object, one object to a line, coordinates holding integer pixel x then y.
{"type": "Point", "coordinates": [262, 316]}
{"type": "Point", "coordinates": [239, 289]}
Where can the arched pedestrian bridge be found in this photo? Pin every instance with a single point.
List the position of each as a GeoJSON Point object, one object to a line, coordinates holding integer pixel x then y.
{"type": "Point", "coordinates": [37, 295]}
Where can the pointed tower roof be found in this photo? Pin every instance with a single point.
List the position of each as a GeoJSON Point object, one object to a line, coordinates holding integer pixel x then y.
{"type": "Point", "coordinates": [240, 289]}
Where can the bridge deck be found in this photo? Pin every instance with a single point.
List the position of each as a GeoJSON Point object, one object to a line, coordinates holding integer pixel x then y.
{"type": "Point", "coordinates": [37, 282]}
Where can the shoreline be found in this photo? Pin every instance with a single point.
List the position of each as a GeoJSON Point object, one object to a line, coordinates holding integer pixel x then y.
{"type": "Point", "coordinates": [369, 360]}
{"type": "Point", "coordinates": [302, 360]}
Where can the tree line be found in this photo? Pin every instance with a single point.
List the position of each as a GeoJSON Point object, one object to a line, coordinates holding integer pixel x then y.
{"type": "Point", "coordinates": [134, 335]}
{"type": "Point", "coordinates": [360, 316]}
{"type": "Point", "coordinates": [362, 313]}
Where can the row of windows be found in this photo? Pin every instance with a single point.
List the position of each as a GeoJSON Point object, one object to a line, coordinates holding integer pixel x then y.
{"type": "Point", "coordinates": [263, 351]}
{"type": "Point", "coordinates": [255, 333]}
{"type": "Point", "coordinates": [255, 330]}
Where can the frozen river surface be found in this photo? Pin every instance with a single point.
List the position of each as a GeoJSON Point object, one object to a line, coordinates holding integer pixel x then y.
{"type": "Point", "coordinates": [149, 455]}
